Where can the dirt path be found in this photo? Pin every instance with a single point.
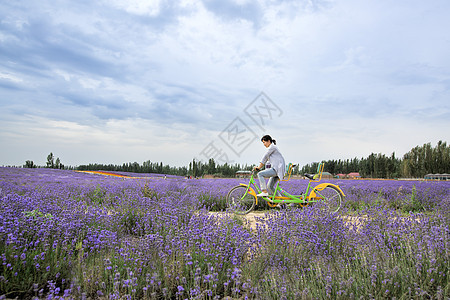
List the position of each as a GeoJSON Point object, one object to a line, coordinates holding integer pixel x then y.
{"type": "Point", "coordinates": [255, 217]}
{"type": "Point", "coordinates": [251, 218]}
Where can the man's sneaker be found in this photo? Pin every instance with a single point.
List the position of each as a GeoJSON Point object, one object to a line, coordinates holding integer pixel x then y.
{"type": "Point", "coordinates": [263, 194]}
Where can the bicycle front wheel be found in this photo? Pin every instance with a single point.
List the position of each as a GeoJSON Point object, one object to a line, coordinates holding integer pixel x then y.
{"type": "Point", "coordinates": [329, 198]}
{"type": "Point", "coordinates": [240, 201]}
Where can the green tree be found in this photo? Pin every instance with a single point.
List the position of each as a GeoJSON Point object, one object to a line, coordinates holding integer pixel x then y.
{"type": "Point", "coordinates": [426, 159]}
{"type": "Point", "coordinates": [29, 164]}
{"type": "Point", "coordinates": [211, 166]}
{"type": "Point", "coordinates": [50, 161]}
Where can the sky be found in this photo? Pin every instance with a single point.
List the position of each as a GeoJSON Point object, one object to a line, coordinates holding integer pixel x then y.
{"type": "Point", "coordinates": [116, 81]}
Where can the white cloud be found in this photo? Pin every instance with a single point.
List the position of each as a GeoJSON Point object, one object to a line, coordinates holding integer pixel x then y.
{"type": "Point", "coordinates": [10, 77]}
{"type": "Point", "coordinates": [139, 7]}
{"type": "Point", "coordinates": [105, 143]}
{"type": "Point", "coordinates": [179, 72]}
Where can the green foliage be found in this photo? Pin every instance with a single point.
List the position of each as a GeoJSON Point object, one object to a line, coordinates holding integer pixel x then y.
{"type": "Point", "coordinates": [149, 192]}
{"type": "Point", "coordinates": [131, 221]}
{"type": "Point", "coordinates": [29, 164]}
{"type": "Point", "coordinates": [426, 160]}
{"type": "Point", "coordinates": [146, 167]}
{"type": "Point", "coordinates": [356, 270]}
{"type": "Point", "coordinates": [195, 168]}
{"type": "Point", "coordinates": [41, 262]}
{"type": "Point", "coordinates": [412, 203]}
{"type": "Point", "coordinates": [97, 196]}
{"type": "Point", "coordinates": [403, 201]}
{"type": "Point", "coordinates": [37, 214]}
{"type": "Point", "coordinates": [418, 162]}
{"type": "Point", "coordinates": [212, 202]}
{"type": "Point", "coordinates": [50, 161]}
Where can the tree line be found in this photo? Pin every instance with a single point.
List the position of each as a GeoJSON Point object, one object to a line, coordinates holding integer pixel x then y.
{"type": "Point", "coordinates": [146, 167]}
{"type": "Point", "coordinates": [198, 168]}
{"type": "Point", "coordinates": [195, 168]}
{"type": "Point", "coordinates": [418, 162]}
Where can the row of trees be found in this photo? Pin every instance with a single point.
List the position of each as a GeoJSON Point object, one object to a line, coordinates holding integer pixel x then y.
{"type": "Point", "coordinates": [417, 163]}
{"type": "Point", "coordinates": [146, 167]}
{"type": "Point", "coordinates": [198, 168]}
{"type": "Point", "coordinates": [195, 168]}
{"type": "Point", "coordinates": [426, 160]}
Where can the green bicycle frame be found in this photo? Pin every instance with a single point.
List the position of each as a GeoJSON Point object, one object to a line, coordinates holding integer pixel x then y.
{"type": "Point", "coordinates": [312, 194]}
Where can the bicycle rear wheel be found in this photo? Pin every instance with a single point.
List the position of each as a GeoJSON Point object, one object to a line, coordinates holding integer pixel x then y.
{"type": "Point", "coordinates": [329, 199]}
{"type": "Point", "coordinates": [240, 201]}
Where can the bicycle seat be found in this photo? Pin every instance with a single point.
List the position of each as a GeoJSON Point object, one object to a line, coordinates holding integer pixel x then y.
{"type": "Point", "coordinates": [310, 176]}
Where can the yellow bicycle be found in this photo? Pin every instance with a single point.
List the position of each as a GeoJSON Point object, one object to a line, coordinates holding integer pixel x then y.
{"type": "Point", "coordinates": [242, 199]}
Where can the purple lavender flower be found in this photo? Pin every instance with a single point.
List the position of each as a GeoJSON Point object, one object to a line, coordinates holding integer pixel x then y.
{"type": "Point", "coordinates": [170, 235]}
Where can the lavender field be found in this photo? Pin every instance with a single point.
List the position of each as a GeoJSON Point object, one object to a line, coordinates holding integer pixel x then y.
{"type": "Point", "coordinates": [70, 235]}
